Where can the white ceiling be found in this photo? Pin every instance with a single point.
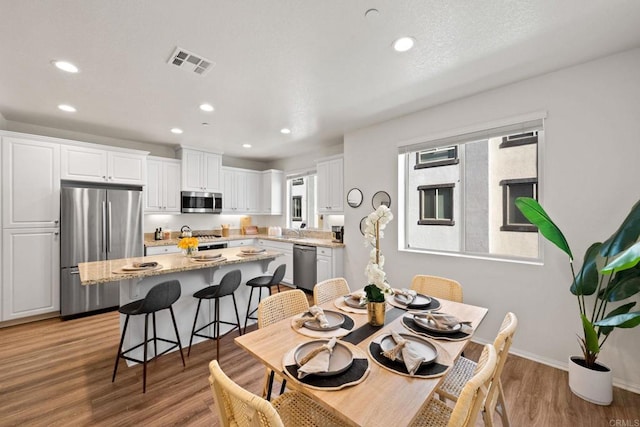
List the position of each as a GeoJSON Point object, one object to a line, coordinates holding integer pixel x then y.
{"type": "Point", "coordinates": [319, 67]}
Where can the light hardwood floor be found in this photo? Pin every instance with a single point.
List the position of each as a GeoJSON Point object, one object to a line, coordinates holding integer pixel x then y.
{"type": "Point", "coordinates": [59, 373]}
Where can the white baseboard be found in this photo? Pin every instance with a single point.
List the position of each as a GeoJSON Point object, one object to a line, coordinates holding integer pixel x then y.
{"type": "Point", "coordinates": [617, 382]}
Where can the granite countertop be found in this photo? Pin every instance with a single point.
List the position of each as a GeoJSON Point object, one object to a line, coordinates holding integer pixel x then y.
{"type": "Point", "coordinates": [96, 272]}
{"type": "Point", "coordinates": [310, 241]}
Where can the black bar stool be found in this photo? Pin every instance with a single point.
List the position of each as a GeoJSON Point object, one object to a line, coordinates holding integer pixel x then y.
{"type": "Point", "coordinates": [160, 297]}
{"type": "Point", "coordinates": [261, 282]}
{"type": "Point", "coordinates": [227, 286]}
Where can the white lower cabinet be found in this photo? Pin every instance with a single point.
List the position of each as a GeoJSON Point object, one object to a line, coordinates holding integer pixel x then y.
{"type": "Point", "coordinates": [287, 258]}
{"type": "Point", "coordinates": [30, 272]}
{"type": "Point", "coordinates": [329, 263]}
{"type": "Point", "coordinates": [161, 250]}
{"type": "Point", "coordinates": [243, 242]}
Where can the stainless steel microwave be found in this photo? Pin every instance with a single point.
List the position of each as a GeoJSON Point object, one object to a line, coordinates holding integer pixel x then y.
{"type": "Point", "coordinates": [199, 202]}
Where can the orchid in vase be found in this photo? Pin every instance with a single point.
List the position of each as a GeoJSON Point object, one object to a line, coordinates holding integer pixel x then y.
{"type": "Point", "coordinates": [377, 282]}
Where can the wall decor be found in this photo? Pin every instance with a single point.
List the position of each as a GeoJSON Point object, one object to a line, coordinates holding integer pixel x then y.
{"type": "Point", "coordinates": [381, 198]}
{"type": "Point", "coordinates": [354, 197]}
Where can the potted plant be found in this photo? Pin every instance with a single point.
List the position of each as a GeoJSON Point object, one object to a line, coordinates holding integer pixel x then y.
{"type": "Point", "coordinates": [377, 282]}
{"type": "Point", "coordinates": [610, 273]}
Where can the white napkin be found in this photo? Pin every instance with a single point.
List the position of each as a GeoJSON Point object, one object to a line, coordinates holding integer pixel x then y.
{"type": "Point", "coordinates": [405, 296]}
{"type": "Point", "coordinates": [412, 359]}
{"type": "Point", "coordinates": [317, 314]}
{"type": "Point", "coordinates": [320, 361]}
{"type": "Point", "coordinates": [359, 296]}
{"type": "Point", "coordinates": [444, 321]}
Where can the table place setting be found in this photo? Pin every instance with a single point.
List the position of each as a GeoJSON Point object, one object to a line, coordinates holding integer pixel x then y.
{"type": "Point", "coordinates": [438, 325]}
{"type": "Point", "coordinates": [208, 258]}
{"type": "Point", "coordinates": [326, 364]}
{"type": "Point", "coordinates": [319, 323]}
{"type": "Point", "coordinates": [412, 301]}
{"type": "Point", "coordinates": [354, 302]}
{"type": "Point", "coordinates": [251, 251]}
{"type": "Point", "coordinates": [137, 267]}
{"type": "Point", "coordinates": [410, 355]}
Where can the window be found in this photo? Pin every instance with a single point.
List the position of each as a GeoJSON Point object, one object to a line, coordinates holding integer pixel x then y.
{"type": "Point", "coordinates": [512, 218]}
{"type": "Point", "coordinates": [296, 208]}
{"type": "Point", "coordinates": [436, 204]}
{"type": "Point", "coordinates": [436, 157]}
{"type": "Point", "coordinates": [457, 192]}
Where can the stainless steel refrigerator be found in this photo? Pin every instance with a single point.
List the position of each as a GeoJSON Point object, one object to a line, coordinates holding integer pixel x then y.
{"type": "Point", "coordinates": [97, 223]}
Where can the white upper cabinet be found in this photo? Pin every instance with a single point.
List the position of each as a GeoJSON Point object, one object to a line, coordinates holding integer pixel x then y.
{"type": "Point", "coordinates": [30, 183]}
{"type": "Point", "coordinates": [162, 193]}
{"type": "Point", "coordinates": [95, 165]}
{"type": "Point", "coordinates": [241, 190]}
{"type": "Point", "coordinates": [330, 186]}
{"type": "Point", "coordinates": [271, 197]}
{"type": "Point", "coordinates": [201, 170]}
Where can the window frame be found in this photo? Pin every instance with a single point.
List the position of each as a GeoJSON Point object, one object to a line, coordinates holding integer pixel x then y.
{"type": "Point", "coordinates": [436, 221]}
{"type": "Point", "coordinates": [293, 208]}
{"type": "Point", "coordinates": [512, 141]}
{"type": "Point", "coordinates": [435, 163]}
{"type": "Point", "coordinates": [506, 205]}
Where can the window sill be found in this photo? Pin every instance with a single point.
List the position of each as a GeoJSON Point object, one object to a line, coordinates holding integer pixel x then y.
{"type": "Point", "coordinates": [520, 228]}
{"type": "Point", "coordinates": [448, 222]}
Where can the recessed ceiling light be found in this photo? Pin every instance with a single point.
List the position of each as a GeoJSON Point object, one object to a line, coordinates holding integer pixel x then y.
{"type": "Point", "coordinates": [65, 66]}
{"type": "Point", "coordinates": [285, 131]}
{"type": "Point", "coordinates": [177, 131]}
{"type": "Point", "coordinates": [206, 107]}
{"type": "Point", "coordinates": [246, 145]}
{"type": "Point", "coordinates": [403, 44]}
{"type": "Point", "coordinates": [67, 108]}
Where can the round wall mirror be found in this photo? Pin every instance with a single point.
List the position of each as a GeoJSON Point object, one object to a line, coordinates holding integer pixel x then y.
{"type": "Point", "coordinates": [354, 197]}
{"type": "Point", "coordinates": [381, 198]}
{"type": "Point", "coordinates": [362, 221]}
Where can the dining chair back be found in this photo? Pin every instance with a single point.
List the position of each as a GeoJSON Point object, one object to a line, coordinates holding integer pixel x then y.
{"type": "Point", "coordinates": [236, 406]}
{"type": "Point", "coordinates": [279, 306]}
{"type": "Point", "coordinates": [435, 413]}
{"type": "Point", "coordinates": [453, 384]}
{"type": "Point", "coordinates": [438, 287]}
{"type": "Point", "coordinates": [329, 290]}
{"type": "Point", "coordinates": [475, 390]}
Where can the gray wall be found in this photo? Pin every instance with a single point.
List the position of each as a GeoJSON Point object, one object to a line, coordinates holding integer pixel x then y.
{"type": "Point", "coordinates": [589, 178]}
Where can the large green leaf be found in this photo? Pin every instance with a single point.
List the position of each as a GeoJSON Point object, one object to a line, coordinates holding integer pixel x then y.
{"type": "Point", "coordinates": [532, 210]}
{"type": "Point", "coordinates": [590, 335]}
{"type": "Point", "coordinates": [627, 320]}
{"type": "Point", "coordinates": [626, 234]}
{"type": "Point", "coordinates": [624, 289]}
{"type": "Point", "coordinates": [626, 260]}
{"type": "Point", "coordinates": [623, 309]}
{"type": "Point", "coordinates": [586, 281]}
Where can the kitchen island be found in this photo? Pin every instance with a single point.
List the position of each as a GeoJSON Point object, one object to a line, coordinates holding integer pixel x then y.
{"type": "Point", "coordinates": [193, 276]}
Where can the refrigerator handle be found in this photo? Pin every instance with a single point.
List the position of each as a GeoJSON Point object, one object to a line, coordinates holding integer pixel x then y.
{"type": "Point", "coordinates": [109, 228]}
{"type": "Point", "coordinates": [104, 226]}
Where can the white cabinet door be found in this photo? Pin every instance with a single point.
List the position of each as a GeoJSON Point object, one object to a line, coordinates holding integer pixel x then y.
{"type": "Point", "coordinates": [253, 187]}
{"type": "Point", "coordinates": [95, 165]}
{"type": "Point", "coordinates": [272, 181]}
{"type": "Point", "coordinates": [126, 168]}
{"type": "Point", "coordinates": [31, 272]}
{"type": "Point", "coordinates": [330, 186]}
{"type": "Point", "coordinates": [323, 268]}
{"type": "Point", "coordinates": [162, 193]}
{"type": "Point", "coordinates": [171, 188]}
{"type": "Point", "coordinates": [212, 172]}
{"type": "Point", "coordinates": [83, 164]}
{"type": "Point", "coordinates": [287, 258]}
{"type": "Point", "coordinates": [30, 183]}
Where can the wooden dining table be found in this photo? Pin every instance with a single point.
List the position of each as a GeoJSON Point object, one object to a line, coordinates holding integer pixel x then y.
{"type": "Point", "coordinates": [384, 398]}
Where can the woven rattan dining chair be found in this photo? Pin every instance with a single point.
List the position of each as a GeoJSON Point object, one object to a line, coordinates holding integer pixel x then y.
{"type": "Point", "coordinates": [463, 369]}
{"type": "Point", "coordinates": [437, 413]}
{"type": "Point", "coordinates": [438, 287]}
{"type": "Point", "coordinates": [238, 407]}
{"type": "Point", "coordinates": [329, 290]}
{"type": "Point", "coordinates": [272, 309]}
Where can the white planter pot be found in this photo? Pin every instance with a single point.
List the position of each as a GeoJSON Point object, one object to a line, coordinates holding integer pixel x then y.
{"type": "Point", "coordinates": [595, 386]}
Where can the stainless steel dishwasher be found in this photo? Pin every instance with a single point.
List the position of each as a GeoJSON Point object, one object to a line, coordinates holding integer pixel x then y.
{"type": "Point", "coordinates": [304, 267]}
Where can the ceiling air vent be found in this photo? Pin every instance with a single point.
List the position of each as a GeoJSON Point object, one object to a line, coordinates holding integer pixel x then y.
{"type": "Point", "coordinates": [190, 61]}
